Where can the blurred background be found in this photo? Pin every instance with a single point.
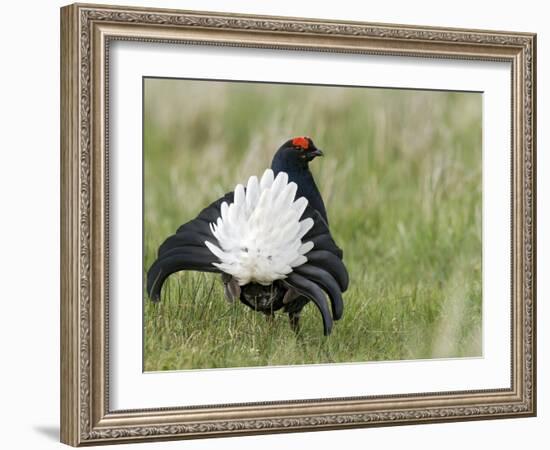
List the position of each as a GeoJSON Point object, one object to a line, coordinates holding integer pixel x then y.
{"type": "Point", "coordinates": [401, 179]}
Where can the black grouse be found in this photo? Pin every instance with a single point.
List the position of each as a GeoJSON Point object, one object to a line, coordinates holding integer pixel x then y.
{"type": "Point", "coordinates": [269, 240]}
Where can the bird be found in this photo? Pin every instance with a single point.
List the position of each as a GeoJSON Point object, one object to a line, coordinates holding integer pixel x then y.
{"type": "Point", "coordinates": [270, 241]}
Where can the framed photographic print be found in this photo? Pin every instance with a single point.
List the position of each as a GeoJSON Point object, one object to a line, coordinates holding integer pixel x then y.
{"type": "Point", "coordinates": [277, 224]}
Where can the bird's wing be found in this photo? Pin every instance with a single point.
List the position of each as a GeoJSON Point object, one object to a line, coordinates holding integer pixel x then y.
{"type": "Point", "coordinates": [321, 231]}
{"type": "Point", "coordinates": [185, 250]}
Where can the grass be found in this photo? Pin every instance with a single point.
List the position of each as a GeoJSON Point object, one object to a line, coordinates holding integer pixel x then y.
{"type": "Point", "coordinates": [401, 179]}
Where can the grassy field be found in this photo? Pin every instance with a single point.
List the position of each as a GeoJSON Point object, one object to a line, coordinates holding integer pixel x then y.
{"type": "Point", "coordinates": [401, 179]}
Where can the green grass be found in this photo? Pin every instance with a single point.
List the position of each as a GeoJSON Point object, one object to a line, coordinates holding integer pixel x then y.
{"type": "Point", "coordinates": [401, 179]}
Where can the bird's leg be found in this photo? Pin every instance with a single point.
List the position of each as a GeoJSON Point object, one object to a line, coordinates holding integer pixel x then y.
{"type": "Point", "coordinates": [293, 306]}
{"type": "Point", "coordinates": [231, 288]}
{"type": "Point", "coordinates": [294, 319]}
{"type": "Point", "coordinates": [290, 295]}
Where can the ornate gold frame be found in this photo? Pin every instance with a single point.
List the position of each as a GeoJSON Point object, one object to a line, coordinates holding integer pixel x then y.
{"type": "Point", "coordinates": [86, 31]}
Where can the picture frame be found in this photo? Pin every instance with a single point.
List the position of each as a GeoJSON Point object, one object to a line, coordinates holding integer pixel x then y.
{"type": "Point", "coordinates": [87, 33]}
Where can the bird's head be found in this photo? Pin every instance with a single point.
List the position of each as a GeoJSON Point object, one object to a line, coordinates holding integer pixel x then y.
{"type": "Point", "coordinates": [296, 152]}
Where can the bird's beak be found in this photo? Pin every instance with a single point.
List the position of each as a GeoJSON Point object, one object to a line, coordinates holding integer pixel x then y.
{"type": "Point", "coordinates": [317, 152]}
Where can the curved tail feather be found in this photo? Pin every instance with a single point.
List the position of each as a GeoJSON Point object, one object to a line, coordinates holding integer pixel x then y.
{"type": "Point", "coordinates": [331, 263]}
{"type": "Point", "coordinates": [329, 285]}
{"type": "Point", "coordinates": [310, 290]}
{"type": "Point", "coordinates": [185, 250]}
{"type": "Point", "coordinates": [181, 258]}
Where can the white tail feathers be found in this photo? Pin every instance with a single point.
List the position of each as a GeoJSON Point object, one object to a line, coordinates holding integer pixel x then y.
{"type": "Point", "coordinates": [260, 233]}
